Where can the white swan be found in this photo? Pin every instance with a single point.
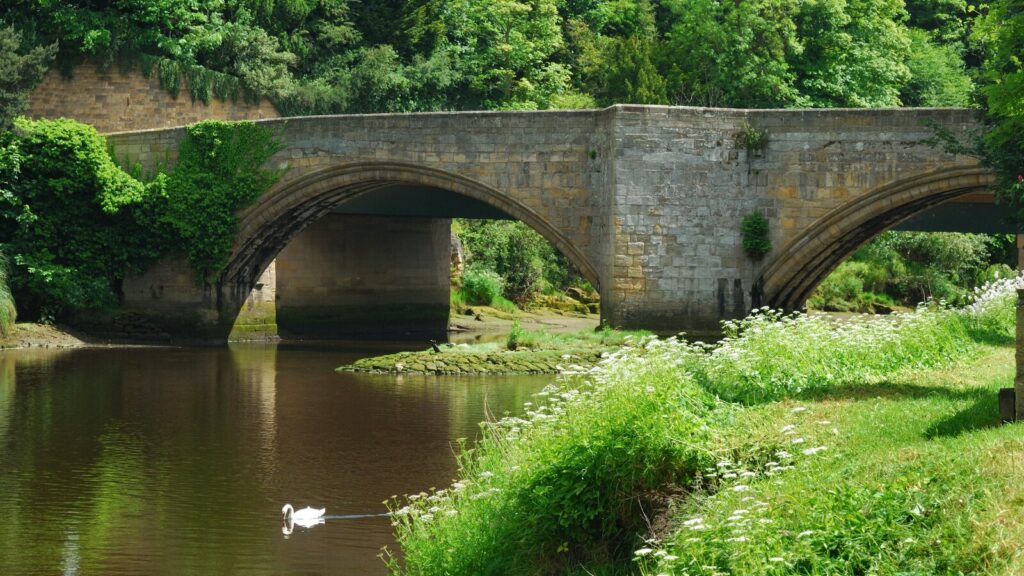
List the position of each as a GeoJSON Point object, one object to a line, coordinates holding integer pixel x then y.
{"type": "Point", "coordinates": [300, 516]}
{"type": "Point", "coordinates": [306, 518]}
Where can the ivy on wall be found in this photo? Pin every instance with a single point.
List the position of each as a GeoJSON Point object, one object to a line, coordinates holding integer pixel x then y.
{"type": "Point", "coordinates": [219, 172]}
{"type": "Point", "coordinates": [74, 223]}
{"type": "Point", "coordinates": [754, 229]}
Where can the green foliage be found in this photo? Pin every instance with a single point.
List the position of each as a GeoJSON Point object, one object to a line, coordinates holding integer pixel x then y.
{"type": "Point", "coordinates": [219, 171]}
{"type": "Point", "coordinates": [74, 224]}
{"type": "Point", "coordinates": [1000, 33]}
{"type": "Point", "coordinates": [731, 53]}
{"type": "Point", "coordinates": [572, 484]}
{"type": "Point", "coordinates": [906, 268]}
{"type": "Point", "coordinates": [8, 311]}
{"type": "Point", "coordinates": [67, 221]}
{"type": "Point", "coordinates": [19, 73]}
{"type": "Point", "coordinates": [480, 286]}
{"type": "Point", "coordinates": [514, 336]}
{"type": "Point", "coordinates": [754, 229]}
{"type": "Point", "coordinates": [937, 74]}
{"type": "Point", "coordinates": [339, 56]}
{"type": "Point", "coordinates": [752, 138]}
{"type": "Point", "coordinates": [527, 263]}
{"type": "Point", "coordinates": [854, 53]}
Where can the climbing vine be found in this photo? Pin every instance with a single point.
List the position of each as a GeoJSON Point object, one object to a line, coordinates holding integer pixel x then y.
{"type": "Point", "coordinates": [755, 235]}
{"type": "Point", "coordinates": [219, 171]}
{"type": "Point", "coordinates": [73, 223]}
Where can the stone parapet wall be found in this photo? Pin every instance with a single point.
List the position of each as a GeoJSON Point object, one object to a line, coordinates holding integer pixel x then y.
{"type": "Point", "coordinates": [115, 101]}
{"type": "Point", "coordinates": [646, 200]}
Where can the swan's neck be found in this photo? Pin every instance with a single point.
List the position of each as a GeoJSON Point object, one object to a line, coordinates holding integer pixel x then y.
{"type": "Point", "coordinates": [288, 510]}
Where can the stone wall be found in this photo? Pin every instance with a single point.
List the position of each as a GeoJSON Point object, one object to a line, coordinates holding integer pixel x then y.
{"type": "Point", "coordinates": [646, 200]}
{"type": "Point", "coordinates": [113, 100]}
{"type": "Point", "coordinates": [365, 277]}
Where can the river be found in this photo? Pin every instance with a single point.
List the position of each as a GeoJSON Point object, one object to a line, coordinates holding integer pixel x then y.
{"type": "Point", "coordinates": [118, 461]}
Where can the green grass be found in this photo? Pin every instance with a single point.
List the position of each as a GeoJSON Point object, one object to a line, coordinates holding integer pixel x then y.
{"type": "Point", "coordinates": [916, 478]}
{"type": "Point", "coordinates": [665, 431]}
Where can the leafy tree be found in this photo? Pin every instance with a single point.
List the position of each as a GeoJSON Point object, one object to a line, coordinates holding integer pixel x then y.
{"type": "Point", "coordinates": [946, 21]}
{"type": "Point", "coordinates": [1001, 34]}
{"type": "Point", "coordinates": [731, 53]}
{"type": "Point", "coordinates": [503, 50]}
{"type": "Point", "coordinates": [854, 52]}
{"type": "Point", "coordinates": [66, 220]}
{"type": "Point", "coordinates": [19, 73]}
{"type": "Point", "coordinates": [937, 74]}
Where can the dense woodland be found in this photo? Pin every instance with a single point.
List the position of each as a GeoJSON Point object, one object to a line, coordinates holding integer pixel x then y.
{"type": "Point", "coordinates": [336, 56]}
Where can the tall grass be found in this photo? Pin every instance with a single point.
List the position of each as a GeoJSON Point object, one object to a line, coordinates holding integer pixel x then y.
{"type": "Point", "coordinates": [572, 481]}
{"type": "Point", "coordinates": [8, 314]}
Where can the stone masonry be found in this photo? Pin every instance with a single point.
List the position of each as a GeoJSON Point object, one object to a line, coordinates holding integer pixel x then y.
{"type": "Point", "coordinates": [113, 100]}
{"type": "Point", "coordinates": [645, 200]}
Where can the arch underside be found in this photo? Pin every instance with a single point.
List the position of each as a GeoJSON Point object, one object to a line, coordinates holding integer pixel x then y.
{"type": "Point", "coordinates": [283, 212]}
{"type": "Point", "coordinates": [797, 269]}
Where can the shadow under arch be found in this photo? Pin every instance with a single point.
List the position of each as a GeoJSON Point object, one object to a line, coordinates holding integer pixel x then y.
{"type": "Point", "coordinates": [788, 279]}
{"type": "Point", "coordinates": [286, 209]}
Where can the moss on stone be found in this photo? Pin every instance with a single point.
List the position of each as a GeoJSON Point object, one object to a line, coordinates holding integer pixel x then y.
{"type": "Point", "coordinates": [454, 361]}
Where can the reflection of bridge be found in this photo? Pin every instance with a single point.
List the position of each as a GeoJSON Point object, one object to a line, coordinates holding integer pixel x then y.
{"type": "Point", "coordinates": [645, 200]}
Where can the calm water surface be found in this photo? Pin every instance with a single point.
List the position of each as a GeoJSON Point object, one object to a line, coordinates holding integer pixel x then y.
{"type": "Point", "coordinates": [177, 461]}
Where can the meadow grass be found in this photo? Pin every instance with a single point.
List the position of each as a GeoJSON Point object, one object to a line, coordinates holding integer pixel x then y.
{"type": "Point", "coordinates": [668, 439]}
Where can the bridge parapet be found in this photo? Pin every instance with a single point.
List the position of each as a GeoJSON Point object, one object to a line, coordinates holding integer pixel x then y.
{"type": "Point", "coordinates": [646, 200]}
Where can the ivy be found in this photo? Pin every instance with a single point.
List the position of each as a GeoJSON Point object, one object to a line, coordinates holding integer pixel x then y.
{"type": "Point", "coordinates": [219, 172]}
{"type": "Point", "coordinates": [73, 223]}
{"type": "Point", "coordinates": [755, 236]}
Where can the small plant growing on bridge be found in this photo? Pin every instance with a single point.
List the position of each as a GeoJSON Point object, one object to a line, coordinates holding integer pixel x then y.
{"type": "Point", "coordinates": [752, 138]}
{"type": "Point", "coordinates": [755, 235]}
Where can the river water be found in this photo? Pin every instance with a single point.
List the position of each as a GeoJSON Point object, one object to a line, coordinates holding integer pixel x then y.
{"type": "Point", "coordinates": [117, 461]}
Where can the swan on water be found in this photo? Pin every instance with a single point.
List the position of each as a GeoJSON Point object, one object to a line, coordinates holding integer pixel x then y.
{"type": "Point", "coordinates": [299, 516]}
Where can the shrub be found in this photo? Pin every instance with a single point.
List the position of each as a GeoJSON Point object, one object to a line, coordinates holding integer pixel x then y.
{"type": "Point", "coordinates": [514, 336]}
{"type": "Point", "coordinates": [480, 286]}
{"type": "Point", "coordinates": [755, 235]}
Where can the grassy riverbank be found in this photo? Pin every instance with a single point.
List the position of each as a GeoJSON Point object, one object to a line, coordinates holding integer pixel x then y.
{"type": "Point", "coordinates": [794, 446]}
{"type": "Point", "coordinates": [523, 352]}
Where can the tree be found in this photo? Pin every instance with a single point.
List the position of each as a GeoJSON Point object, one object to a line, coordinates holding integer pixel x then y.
{"type": "Point", "coordinates": [731, 53]}
{"type": "Point", "coordinates": [854, 52]}
{"type": "Point", "coordinates": [1001, 34]}
{"type": "Point", "coordinates": [19, 73]}
{"type": "Point", "coordinates": [937, 74]}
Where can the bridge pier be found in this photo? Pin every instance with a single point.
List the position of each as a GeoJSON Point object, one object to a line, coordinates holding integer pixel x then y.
{"type": "Point", "coordinates": [348, 277]}
{"type": "Point", "coordinates": [343, 277]}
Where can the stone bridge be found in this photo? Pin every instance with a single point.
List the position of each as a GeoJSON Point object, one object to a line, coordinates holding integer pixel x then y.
{"type": "Point", "coordinates": [645, 200]}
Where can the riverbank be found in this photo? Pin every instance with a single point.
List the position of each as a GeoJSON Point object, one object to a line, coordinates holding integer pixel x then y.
{"type": "Point", "coordinates": [794, 445]}
{"type": "Point", "coordinates": [31, 335]}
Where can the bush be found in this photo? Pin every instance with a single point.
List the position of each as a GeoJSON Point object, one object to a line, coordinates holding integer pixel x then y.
{"type": "Point", "coordinates": [74, 223]}
{"type": "Point", "coordinates": [480, 286]}
{"type": "Point", "coordinates": [755, 235]}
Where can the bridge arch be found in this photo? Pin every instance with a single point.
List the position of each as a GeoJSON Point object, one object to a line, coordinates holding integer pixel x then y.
{"type": "Point", "coordinates": [795, 270]}
{"type": "Point", "coordinates": [289, 207]}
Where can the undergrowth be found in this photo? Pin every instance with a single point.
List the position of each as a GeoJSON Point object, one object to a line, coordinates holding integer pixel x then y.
{"type": "Point", "coordinates": [571, 486]}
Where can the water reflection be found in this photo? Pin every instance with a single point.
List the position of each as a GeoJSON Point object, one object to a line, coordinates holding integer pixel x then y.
{"type": "Point", "coordinates": [173, 461]}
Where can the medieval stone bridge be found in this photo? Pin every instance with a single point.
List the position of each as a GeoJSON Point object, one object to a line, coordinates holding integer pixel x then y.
{"type": "Point", "coordinates": [645, 200]}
